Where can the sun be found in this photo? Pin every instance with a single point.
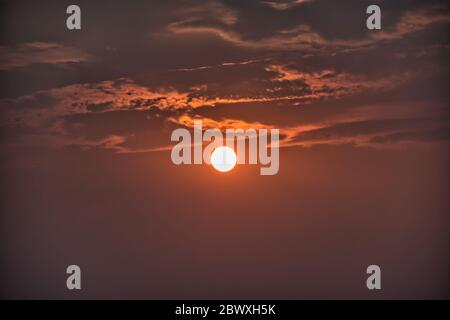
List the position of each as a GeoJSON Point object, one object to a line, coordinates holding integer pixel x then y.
{"type": "Point", "coordinates": [223, 159]}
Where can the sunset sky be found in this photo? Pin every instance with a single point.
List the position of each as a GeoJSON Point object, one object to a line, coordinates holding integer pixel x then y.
{"type": "Point", "coordinates": [87, 178]}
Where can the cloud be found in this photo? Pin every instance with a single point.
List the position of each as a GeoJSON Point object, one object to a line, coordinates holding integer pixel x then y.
{"type": "Point", "coordinates": [300, 38]}
{"type": "Point", "coordinates": [287, 134]}
{"type": "Point", "coordinates": [39, 53]}
{"type": "Point", "coordinates": [42, 107]}
{"type": "Point", "coordinates": [112, 142]}
{"type": "Point", "coordinates": [311, 94]}
{"type": "Point", "coordinates": [57, 111]}
{"type": "Point", "coordinates": [411, 22]}
{"type": "Point", "coordinates": [213, 10]}
{"type": "Point", "coordinates": [187, 121]}
{"type": "Point", "coordinates": [329, 83]}
{"type": "Point", "coordinates": [303, 37]}
{"type": "Point", "coordinates": [222, 65]}
{"type": "Point", "coordinates": [284, 5]}
{"type": "Point", "coordinates": [374, 133]}
{"type": "Point", "coordinates": [431, 135]}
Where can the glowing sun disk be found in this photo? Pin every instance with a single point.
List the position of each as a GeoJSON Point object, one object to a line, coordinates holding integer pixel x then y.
{"type": "Point", "coordinates": [223, 159]}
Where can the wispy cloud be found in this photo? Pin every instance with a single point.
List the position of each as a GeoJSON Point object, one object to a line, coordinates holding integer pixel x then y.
{"type": "Point", "coordinates": [303, 37]}
{"type": "Point", "coordinates": [412, 21]}
{"type": "Point", "coordinates": [222, 65]}
{"type": "Point", "coordinates": [331, 83]}
{"type": "Point", "coordinates": [284, 5]}
{"type": "Point", "coordinates": [39, 53]}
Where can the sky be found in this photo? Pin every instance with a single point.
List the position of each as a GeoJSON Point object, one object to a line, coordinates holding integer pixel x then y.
{"type": "Point", "coordinates": [87, 179]}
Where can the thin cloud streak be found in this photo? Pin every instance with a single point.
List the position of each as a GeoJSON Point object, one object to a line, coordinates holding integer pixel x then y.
{"type": "Point", "coordinates": [26, 54]}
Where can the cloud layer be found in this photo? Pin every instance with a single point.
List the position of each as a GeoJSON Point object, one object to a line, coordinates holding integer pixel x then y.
{"type": "Point", "coordinates": [219, 63]}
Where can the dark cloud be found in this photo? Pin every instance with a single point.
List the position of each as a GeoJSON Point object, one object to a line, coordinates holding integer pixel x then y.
{"type": "Point", "coordinates": [364, 133]}
{"type": "Point", "coordinates": [440, 134]}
